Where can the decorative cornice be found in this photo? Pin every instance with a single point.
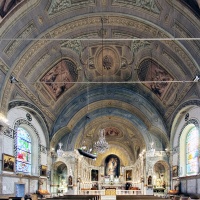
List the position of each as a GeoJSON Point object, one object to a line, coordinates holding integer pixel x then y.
{"type": "Point", "coordinates": [37, 64]}
{"type": "Point", "coordinates": [178, 99]}
{"type": "Point", "coordinates": [35, 100]}
{"type": "Point", "coordinates": [185, 104]}
{"type": "Point", "coordinates": [3, 67]}
{"type": "Point", "coordinates": [29, 54]}
{"type": "Point", "coordinates": [12, 46]}
{"type": "Point", "coordinates": [74, 45]}
{"type": "Point", "coordinates": [174, 62]}
{"type": "Point", "coordinates": [93, 21]}
{"type": "Point", "coordinates": [147, 5]}
{"type": "Point", "coordinates": [29, 105]}
{"type": "Point", "coordinates": [136, 45]}
{"type": "Point", "coordinates": [185, 33]}
{"type": "Point", "coordinates": [8, 132]}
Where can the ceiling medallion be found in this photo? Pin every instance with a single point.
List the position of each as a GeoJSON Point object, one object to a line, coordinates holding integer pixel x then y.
{"type": "Point", "coordinates": [107, 62]}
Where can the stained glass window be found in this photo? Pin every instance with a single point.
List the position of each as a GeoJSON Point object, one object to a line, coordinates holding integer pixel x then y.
{"type": "Point", "coordinates": [23, 160]}
{"type": "Point", "coordinates": [192, 151]}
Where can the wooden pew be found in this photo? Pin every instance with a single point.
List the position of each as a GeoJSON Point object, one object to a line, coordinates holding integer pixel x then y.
{"type": "Point", "coordinates": [138, 197]}
{"type": "Point", "coordinates": [76, 197]}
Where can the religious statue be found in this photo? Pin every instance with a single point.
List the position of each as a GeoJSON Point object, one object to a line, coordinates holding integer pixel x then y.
{"type": "Point", "coordinates": [40, 183]}
{"type": "Point", "coordinates": [70, 180]}
{"type": "Point", "coordinates": [111, 167]}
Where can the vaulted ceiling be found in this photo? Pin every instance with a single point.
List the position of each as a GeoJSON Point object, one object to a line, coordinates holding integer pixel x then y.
{"type": "Point", "coordinates": [82, 65]}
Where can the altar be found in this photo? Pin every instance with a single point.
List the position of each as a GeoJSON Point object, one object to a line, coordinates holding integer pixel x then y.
{"type": "Point", "coordinates": [113, 186]}
{"type": "Point", "coordinates": [111, 182]}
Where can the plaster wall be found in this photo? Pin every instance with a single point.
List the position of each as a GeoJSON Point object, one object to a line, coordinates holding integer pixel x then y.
{"type": "Point", "coordinates": [189, 184]}
{"type": "Point", "coordinates": [8, 145]}
{"type": "Point", "coordinates": [19, 113]}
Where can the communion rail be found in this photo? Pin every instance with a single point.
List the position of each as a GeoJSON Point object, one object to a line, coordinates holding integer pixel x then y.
{"type": "Point", "coordinates": [103, 192]}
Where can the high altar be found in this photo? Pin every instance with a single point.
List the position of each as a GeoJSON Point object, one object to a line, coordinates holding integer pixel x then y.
{"type": "Point", "coordinates": [112, 182]}
{"type": "Point", "coordinates": [110, 177]}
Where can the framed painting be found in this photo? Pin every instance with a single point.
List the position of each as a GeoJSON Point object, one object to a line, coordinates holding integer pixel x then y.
{"type": "Point", "coordinates": [43, 171]}
{"type": "Point", "coordinates": [8, 163]}
{"type": "Point", "coordinates": [94, 175]}
{"type": "Point", "coordinates": [128, 175]}
{"type": "Point", "coordinates": [175, 171]}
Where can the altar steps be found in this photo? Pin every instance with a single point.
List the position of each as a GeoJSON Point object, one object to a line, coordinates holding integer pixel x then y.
{"type": "Point", "coordinates": [108, 197]}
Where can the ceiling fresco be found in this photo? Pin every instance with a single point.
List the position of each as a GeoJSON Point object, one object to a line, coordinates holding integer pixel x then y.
{"type": "Point", "coordinates": [60, 78]}
{"type": "Point", "coordinates": [149, 72]}
{"type": "Point", "coordinates": [126, 66]}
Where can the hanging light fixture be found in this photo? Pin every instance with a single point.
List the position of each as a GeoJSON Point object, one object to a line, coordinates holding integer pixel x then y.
{"type": "Point", "coordinates": [83, 150]}
{"type": "Point", "coordinates": [101, 145]}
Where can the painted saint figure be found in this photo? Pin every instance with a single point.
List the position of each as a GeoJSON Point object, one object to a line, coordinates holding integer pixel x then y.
{"type": "Point", "coordinates": [112, 166]}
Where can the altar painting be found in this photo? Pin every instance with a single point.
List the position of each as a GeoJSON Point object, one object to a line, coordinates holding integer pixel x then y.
{"type": "Point", "coordinates": [112, 166]}
{"type": "Point", "coordinates": [94, 175]}
{"type": "Point", "coordinates": [128, 175]}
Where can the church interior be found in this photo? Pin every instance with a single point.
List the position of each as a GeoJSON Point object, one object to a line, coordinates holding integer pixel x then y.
{"type": "Point", "coordinates": [100, 97]}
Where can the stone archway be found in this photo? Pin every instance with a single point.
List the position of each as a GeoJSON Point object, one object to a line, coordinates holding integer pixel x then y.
{"type": "Point", "coordinates": [59, 180]}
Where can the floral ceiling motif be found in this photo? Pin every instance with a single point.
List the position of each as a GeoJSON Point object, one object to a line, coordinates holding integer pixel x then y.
{"type": "Point", "coordinates": [107, 63]}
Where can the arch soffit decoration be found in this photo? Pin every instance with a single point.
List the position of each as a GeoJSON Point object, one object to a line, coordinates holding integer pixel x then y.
{"type": "Point", "coordinates": [39, 116]}
{"type": "Point", "coordinates": [3, 106]}
{"type": "Point", "coordinates": [58, 136]}
{"type": "Point", "coordinates": [128, 101]}
{"type": "Point", "coordinates": [19, 66]}
{"type": "Point", "coordinates": [97, 119]}
{"type": "Point", "coordinates": [120, 152]}
{"type": "Point", "coordinates": [129, 140]}
{"type": "Point", "coordinates": [164, 163]}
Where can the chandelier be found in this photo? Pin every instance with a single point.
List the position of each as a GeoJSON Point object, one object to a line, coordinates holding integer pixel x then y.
{"type": "Point", "coordinates": [101, 145]}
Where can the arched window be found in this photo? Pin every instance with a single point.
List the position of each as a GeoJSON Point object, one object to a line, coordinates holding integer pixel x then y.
{"type": "Point", "coordinates": [23, 149]}
{"type": "Point", "coordinates": [189, 150]}
{"type": "Point", "coordinates": [192, 151]}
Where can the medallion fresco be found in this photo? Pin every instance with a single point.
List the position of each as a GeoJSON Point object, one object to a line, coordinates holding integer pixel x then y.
{"type": "Point", "coordinates": [60, 78]}
{"type": "Point", "coordinates": [113, 132]}
{"type": "Point", "coordinates": [107, 63]}
{"type": "Point", "coordinates": [150, 71]}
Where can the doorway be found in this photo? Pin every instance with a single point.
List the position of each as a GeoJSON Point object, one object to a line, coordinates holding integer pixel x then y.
{"type": "Point", "coordinates": [20, 190]}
